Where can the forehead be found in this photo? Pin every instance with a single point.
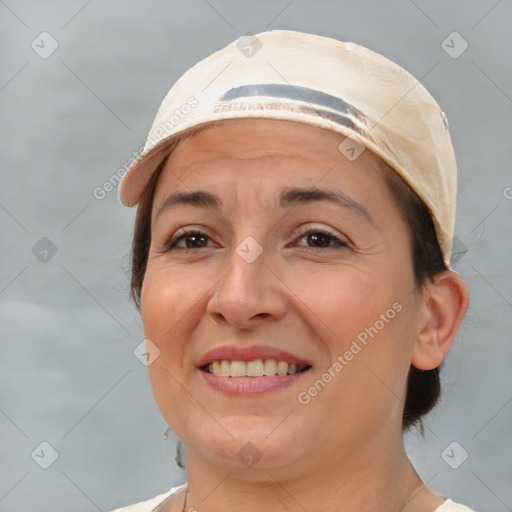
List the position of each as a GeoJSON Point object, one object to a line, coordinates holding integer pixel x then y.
{"type": "Point", "coordinates": [274, 150]}
{"type": "Point", "coordinates": [240, 167]}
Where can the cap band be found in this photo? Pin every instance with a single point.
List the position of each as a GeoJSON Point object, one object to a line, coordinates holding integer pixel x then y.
{"type": "Point", "coordinates": [298, 99]}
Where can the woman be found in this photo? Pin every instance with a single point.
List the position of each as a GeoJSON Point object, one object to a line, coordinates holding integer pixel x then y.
{"type": "Point", "coordinates": [296, 205]}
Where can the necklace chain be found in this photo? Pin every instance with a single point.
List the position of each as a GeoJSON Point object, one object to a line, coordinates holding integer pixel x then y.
{"type": "Point", "coordinates": [185, 502]}
{"type": "Point", "coordinates": [186, 496]}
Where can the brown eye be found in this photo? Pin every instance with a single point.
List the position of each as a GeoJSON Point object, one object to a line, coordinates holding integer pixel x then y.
{"type": "Point", "coordinates": [320, 239]}
{"type": "Point", "coordinates": [191, 239]}
{"type": "Point", "coordinates": [195, 240]}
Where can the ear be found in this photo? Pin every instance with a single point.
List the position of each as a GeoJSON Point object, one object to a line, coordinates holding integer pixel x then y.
{"type": "Point", "coordinates": [445, 304]}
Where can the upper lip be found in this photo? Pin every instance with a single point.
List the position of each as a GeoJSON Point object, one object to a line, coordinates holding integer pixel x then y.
{"type": "Point", "coordinates": [232, 353]}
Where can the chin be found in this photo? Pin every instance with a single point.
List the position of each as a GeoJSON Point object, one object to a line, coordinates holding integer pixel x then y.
{"type": "Point", "coordinates": [252, 445]}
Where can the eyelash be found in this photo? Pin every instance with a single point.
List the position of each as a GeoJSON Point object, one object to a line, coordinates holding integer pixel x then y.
{"type": "Point", "coordinates": [171, 245]}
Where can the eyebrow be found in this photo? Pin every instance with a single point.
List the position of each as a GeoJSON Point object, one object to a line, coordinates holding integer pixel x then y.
{"type": "Point", "coordinates": [294, 196]}
{"type": "Point", "coordinates": [287, 197]}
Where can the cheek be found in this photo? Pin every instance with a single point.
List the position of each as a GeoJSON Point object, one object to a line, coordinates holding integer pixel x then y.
{"type": "Point", "coordinates": [159, 301]}
{"type": "Point", "coordinates": [166, 299]}
{"type": "Point", "coordinates": [346, 300]}
{"type": "Point", "coordinates": [172, 305]}
{"type": "Point", "coordinates": [164, 306]}
{"type": "Point", "coordinates": [164, 310]}
{"type": "Point", "coordinates": [367, 318]}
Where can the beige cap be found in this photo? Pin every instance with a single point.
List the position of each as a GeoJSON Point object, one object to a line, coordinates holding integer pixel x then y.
{"type": "Point", "coordinates": [343, 87]}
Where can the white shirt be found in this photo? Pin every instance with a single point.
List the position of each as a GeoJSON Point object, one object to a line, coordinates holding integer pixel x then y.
{"type": "Point", "coordinates": [148, 506]}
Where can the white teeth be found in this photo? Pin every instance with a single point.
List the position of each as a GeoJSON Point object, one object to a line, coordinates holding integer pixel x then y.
{"type": "Point", "coordinates": [238, 369]}
{"type": "Point", "coordinates": [225, 368]}
{"type": "Point", "coordinates": [270, 367]}
{"type": "Point", "coordinates": [292, 368]}
{"type": "Point", "coordinates": [282, 368]}
{"type": "Point", "coordinates": [255, 368]}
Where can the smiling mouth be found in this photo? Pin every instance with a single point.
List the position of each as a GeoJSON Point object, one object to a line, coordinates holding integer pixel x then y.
{"type": "Point", "coordinates": [255, 368]}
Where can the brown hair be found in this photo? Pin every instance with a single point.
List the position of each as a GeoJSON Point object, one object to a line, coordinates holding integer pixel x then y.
{"type": "Point", "coordinates": [423, 386]}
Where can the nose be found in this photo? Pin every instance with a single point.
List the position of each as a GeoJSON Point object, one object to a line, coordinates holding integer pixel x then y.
{"type": "Point", "coordinates": [249, 293]}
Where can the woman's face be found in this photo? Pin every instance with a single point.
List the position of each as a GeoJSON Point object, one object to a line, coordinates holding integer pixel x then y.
{"type": "Point", "coordinates": [270, 265]}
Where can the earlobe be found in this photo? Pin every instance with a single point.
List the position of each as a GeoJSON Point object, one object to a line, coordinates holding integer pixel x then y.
{"type": "Point", "coordinates": [445, 302]}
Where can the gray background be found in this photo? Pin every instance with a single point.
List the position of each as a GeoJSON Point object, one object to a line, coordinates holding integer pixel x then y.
{"type": "Point", "coordinates": [69, 121]}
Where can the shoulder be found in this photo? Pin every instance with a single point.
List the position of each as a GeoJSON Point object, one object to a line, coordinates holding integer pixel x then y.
{"type": "Point", "coordinates": [149, 505]}
{"type": "Point", "coordinates": [450, 506]}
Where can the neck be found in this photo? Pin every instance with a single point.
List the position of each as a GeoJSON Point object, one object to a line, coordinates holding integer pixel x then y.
{"type": "Point", "coordinates": [371, 479]}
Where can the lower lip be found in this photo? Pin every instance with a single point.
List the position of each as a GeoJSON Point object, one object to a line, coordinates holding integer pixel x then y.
{"type": "Point", "coordinates": [250, 385]}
